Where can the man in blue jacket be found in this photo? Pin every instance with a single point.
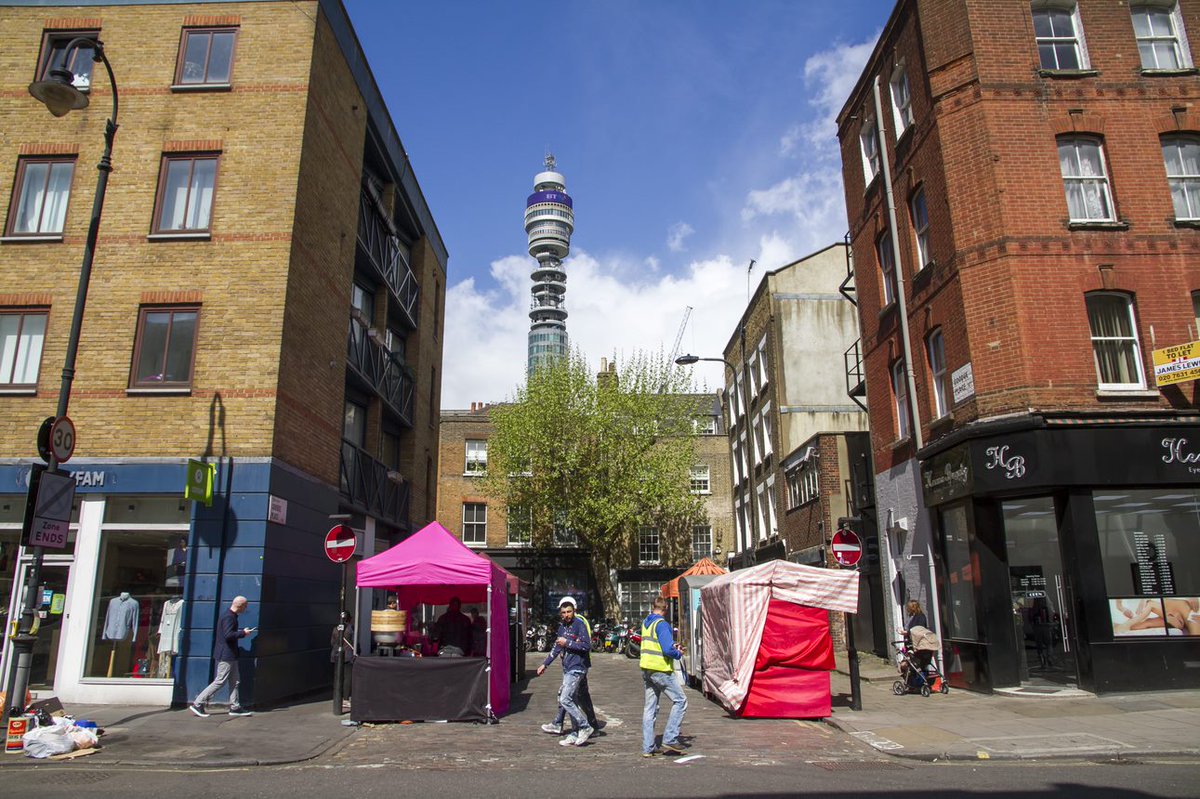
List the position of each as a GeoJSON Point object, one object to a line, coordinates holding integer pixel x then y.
{"type": "Point", "coordinates": [658, 673]}
{"type": "Point", "coordinates": [225, 653]}
{"type": "Point", "coordinates": [575, 646]}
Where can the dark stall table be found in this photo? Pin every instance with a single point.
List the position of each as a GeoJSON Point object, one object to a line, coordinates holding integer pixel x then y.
{"type": "Point", "coordinates": [419, 689]}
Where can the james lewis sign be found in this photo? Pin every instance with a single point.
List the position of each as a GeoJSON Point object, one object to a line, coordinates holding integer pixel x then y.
{"type": "Point", "coordinates": [1179, 364]}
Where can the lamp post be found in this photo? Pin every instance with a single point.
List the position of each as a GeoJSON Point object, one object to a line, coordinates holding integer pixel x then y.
{"type": "Point", "coordinates": [689, 360]}
{"type": "Point", "coordinates": [58, 93]}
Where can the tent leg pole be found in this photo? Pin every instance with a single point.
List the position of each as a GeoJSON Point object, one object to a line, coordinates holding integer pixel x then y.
{"type": "Point", "coordinates": [488, 650]}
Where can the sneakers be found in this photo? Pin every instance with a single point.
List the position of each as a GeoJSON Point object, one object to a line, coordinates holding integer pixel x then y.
{"type": "Point", "coordinates": [675, 748]}
{"type": "Point", "coordinates": [239, 711]}
{"type": "Point", "coordinates": [583, 734]}
{"type": "Point", "coordinates": [570, 740]}
{"type": "Point", "coordinates": [553, 729]}
{"type": "Point", "coordinates": [652, 753]}
{"type": "Point", "coordinates": [199, 711]}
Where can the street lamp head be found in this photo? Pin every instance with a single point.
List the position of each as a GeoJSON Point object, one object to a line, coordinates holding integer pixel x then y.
{"type": "Point", "coordinates": [58, 93]}
{"type": "Point", "coordinates": [687, 360]}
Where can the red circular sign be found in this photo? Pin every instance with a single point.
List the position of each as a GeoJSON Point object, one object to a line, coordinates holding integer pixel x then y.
{"type": "Point", "coordinates": [340, 543]}
{"type": "Point", "coordinates": [847, 547]}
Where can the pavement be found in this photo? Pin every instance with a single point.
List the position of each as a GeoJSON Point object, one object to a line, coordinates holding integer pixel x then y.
{"type": "Point", "coordinates": [957, 726]}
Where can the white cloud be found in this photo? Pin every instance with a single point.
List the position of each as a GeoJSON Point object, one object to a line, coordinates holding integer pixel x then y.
{"type": "Point", "coordinates": [677, 234]}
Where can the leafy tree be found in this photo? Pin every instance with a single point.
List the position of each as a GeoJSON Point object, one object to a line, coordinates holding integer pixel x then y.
{"type": "Point", "coordinates": [602, 456]}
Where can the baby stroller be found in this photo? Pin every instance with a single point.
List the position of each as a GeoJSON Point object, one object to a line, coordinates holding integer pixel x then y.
{"type": "Point", "coordinates": [917, 670]}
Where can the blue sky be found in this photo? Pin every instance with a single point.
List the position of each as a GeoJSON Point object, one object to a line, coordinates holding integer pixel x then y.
{"type": "Point", "coordinates": [693, 135]}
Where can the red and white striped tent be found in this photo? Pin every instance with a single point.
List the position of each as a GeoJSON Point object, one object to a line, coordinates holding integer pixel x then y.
{"type": "Point", "coordinates": [767, 647]}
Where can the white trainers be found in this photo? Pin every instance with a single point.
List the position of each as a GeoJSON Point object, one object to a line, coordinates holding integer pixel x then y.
{"type": "Point", "coordinates": [553, 729]}
{"type": "Point", "coordinates": [568, 741]}
{"type": "Point", "coordinates": [198, 710]}
{"type": "Point", "coordinates": [583, 734]}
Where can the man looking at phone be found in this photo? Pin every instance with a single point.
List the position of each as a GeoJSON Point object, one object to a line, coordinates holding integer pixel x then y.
{"type": "Point", "coordinates": [225, 653]}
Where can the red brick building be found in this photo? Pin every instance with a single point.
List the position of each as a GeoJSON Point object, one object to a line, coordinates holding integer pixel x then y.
{"type": "Point", "coordinates": [1043, 163]}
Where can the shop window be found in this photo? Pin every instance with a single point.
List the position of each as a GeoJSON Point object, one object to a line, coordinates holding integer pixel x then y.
{"type": "Point", "coordinates": [205, 57]}
{"type": "Point", "coordinates": [1150, 550]}
{"type": "Point", "coordinates": [958, 597]}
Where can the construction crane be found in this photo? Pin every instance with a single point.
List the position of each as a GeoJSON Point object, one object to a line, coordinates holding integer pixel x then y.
{"type": "Point", "coordinates": [687, 314]}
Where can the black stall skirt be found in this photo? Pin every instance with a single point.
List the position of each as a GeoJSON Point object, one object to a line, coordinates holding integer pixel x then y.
{"type": "Point", "coordinates": [419, 689]}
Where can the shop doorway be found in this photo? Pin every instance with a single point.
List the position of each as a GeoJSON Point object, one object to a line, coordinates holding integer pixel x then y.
{"type": "Point", "coordinates": [1041, 595]}
{"type": "Point", "coordinates": [52, 601]}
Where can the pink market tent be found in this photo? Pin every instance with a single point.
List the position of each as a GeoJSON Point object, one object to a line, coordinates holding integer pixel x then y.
{"type": "Point", "coordinates": [432, 566]}
{"type": "Point", "coordinates": [767, 648]}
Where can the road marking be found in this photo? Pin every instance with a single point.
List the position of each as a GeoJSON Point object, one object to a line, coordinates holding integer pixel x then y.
{"type": "Point", "coordinates": [688, 759]}
{"type": "Point", "coordinates": [877, 741]}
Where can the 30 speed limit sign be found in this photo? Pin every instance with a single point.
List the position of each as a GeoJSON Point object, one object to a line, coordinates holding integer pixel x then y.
{"type": "Point", "coordinates": [62, 439]}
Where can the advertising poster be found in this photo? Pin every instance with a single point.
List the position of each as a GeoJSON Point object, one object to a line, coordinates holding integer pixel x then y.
{"type": "Point", "coordinates": [1155, 616]}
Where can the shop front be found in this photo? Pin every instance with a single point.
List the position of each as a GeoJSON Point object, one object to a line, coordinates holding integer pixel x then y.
{"type": "Point", "coordinates": [1068, 555]}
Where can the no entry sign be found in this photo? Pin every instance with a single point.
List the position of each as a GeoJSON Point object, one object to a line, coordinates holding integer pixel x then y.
{"type": "Point", "coordinates": [847, 547]}
{"type": "Point", "coordinates": [340, 543]}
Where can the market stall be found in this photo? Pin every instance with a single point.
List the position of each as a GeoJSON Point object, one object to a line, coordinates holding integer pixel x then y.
{"type": "Point", "coordinates": [767, 646]}
{"type": "Point", "coordinates": [432, 567]}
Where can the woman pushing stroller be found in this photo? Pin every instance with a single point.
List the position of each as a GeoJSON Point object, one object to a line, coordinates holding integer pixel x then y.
{"type": "Point", "coordinates": [916, 656]}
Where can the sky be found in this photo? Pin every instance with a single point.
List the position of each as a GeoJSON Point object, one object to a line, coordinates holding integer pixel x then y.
{"type": "Point", "coordinates": [694, 136]}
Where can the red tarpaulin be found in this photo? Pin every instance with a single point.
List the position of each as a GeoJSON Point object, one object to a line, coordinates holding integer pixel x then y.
{"type": "Point", "coordinates": [791, 670]}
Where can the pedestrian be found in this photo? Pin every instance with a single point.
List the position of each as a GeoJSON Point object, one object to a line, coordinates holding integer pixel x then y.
{"type": "Point", "coordinates": [575, 646]}
{"type": "Point", "coordinates": [348, 652]}
{"type": "Point", "coordinates": [479, 635]}
{"type": "Point", "coordinates": [585, 695]}
{"type": "Point", "coordinates": [453, 630]}
{"type": "Point", "coordinates": [658, 674]}
{"type": "Point", "coordinates": [225, 653]}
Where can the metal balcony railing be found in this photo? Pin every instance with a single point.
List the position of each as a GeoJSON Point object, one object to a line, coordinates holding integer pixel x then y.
{"type": "Point", "coordinates": [856, 381]}
{"type": "Point", "coordinates": [382, 371]}
{"type": "Point", "coordinates": [367, 485]}
{"type": "Point", "coordinates": [377, 237]}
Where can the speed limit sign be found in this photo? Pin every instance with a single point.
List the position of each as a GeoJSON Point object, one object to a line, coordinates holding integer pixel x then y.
{"type": "Point", "coordinates": [62, 439]}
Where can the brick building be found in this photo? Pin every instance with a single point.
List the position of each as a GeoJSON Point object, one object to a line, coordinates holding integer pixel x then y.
{"type": "Point", "coordinates": [266, 297]}
{"type": "Point", "coordinates": [1043, 159]}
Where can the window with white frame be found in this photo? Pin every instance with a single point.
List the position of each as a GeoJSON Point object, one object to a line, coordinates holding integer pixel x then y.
{"type": "Point", "coordinates": [920, 224]}
{"type": "Point", "coordinates": [1085, 179]}
{"type": "Point", "coordinates": [702, 543]}
{"type": "Point", "coordinates": [474, 524]}
{"type": "Point", "coordinates": [761, 512]}
{"type": "Point", "coordinates": [772, 521]}
{"type": "Point", "coordinates": [742, 460]}
{"type": "Point", "coordinates": [767, 446]}
{"type": "Point", "coordinates": [1115, 345]}
{"type": "Point", "coordinates": [735, 402]}
{"type": "Point", "coordinates": [754, 370]}
{"type": "Point", "coordinates": [764, 373]}
{"type": "Point", "coordinates": [1181, 157]}
{"type": "Point", "coordinates": [742, 534]}
{"type": "Point", "coordinates": [22, 336]}
{"type": "Point", "coordinates": [872, 160]}
{"type": "Point", "coordinates": [900, 392]}
{"type": "Point", "coordinates": [648, 553]}
{"type": "Point", "coordinates": [1059, 35]}
{"type": "Point", "coordinates": [704, 425]}
{"type": "Point", "coordinates": [700, 483]}
{"type": "Point", "coordinates": [935, 347]}
{"type": "Point", "coordinates": [476, 457]}
{"type": "Point", "coordinates": [887, 267]}
{"type": "Point", "coordinates": [520, 527]}
{"type": "Point", "coordinates": [757, 440]}
{"type": "Point", "coordinates": [1158, 28]}
{"type": "Point", "coordinates": [901, 100]}
{"type": "Point", "coordinates": [1196, 313]}
{"type": "Point", "coordinates": [564, 535]}
{"type": "Point", "coordinates": [803, 483]}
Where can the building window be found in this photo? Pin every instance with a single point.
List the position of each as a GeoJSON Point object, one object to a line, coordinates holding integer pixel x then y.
{"type": "Point", "coordinates": [772, 522]}
{"type": "Point", "coordinates": [22, 335]}
{"type": "Point", "coordinates": [205, 57]}
{"type": "Point", "coordinates": [1158, 28]}
{"type": "Point", "coordinates": [1196, 314]}
{"type": "Point", "coordinates": [476, 457]}
{"type": "Point", "coordinates": [887, 267]}
{"type": "Point", "coordinates": [474, 524]}
{"type": "Point", "coordinates": [803, 482]}
{"type": "Point", "coordinates": [354, 423]}
{"type": "Point", "coordinates": [635, 598]}
{"type": "Point", "coordinates": [936, 349]}
{"type": "Point", "coordinates": [901, 101]}
{"type": "Point", "coordinates": [78, 60]}
{"type": "Point", "coordinates": [900, 392]}
{"type": "Point", "coordinates": [185, 193]}
{"type": "Point", "coordinates": [704, 425]}
{"type": "Point", "coordinates": [389, 451]}
{"type": "Point", "coordinates": [1181, 156]}
{"type": "Point", "coordinates": [1059, 35]}
{"type": "Point", "coordinates": [920, 223]}
{"type": "Point", "coordinates": [763, 372]}
{"type": "Point", "coordinates": [869, 138]}
{"type": "Point", "coordinates": [40, 194]}
{"type": "Point", "coordinates": [563, 535]}
{"type": "Point", "coordinates": [700, 483]}
{"type": "Point", "coordinates": [520, 527]}
{"type": "Point", "coordinates": [165, 348]}
{"type": "Point", "coordinates": [960, 564]}
{"type": "Point", "coordinates": [1085, 180]}
{"type": "Point", "coordinates": [702, 543]}
{"type": "Point", "coordinates": [768, 447]}
{"type": "Point", "coordinates": [1114, 341]}
{"type": "Point", "coordinates": [648, 554]}
{"type": "Point", "coordinates": [762, 513]}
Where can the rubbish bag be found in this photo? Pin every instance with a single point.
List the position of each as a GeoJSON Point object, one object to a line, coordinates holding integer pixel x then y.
{"type": "Point", "coordinates": [51, 740]}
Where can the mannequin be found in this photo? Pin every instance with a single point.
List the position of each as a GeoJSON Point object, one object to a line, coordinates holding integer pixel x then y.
{"type": "Point", "coordinates": [120, 624]}
{"type": "Point", "coordinates": [170, 630]}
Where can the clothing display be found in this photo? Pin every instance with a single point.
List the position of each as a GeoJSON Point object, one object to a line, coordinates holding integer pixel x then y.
{"type": "Point", "coordinates": [170, 628]}
{"type": "Point", "coordinates": [176, 565]}
{"type": "Point", "coordinates": [121, 621]}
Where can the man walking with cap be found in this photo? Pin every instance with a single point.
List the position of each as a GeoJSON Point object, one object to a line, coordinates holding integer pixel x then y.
{"type": "Point", "coordinates": [575, 646]}
{"type": "Point", "coordinates": [585, 695]}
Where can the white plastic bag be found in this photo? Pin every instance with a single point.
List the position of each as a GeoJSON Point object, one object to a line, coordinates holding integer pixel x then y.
{"type": "Point", "coordinates": [50, 740]}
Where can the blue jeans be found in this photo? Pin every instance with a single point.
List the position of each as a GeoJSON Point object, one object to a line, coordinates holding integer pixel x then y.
{"type": "Point", "coordinates": [567, 698]}
{"type": "Point", "coordinates": [658, 682]}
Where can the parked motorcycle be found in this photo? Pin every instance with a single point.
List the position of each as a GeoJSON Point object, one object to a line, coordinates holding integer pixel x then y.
{"type": "Point", "coordinates": [633, 646]}
{"type": "Point", "coordinates": [600, 633]}
{"type": "Point", "coordinates": [542, 638]}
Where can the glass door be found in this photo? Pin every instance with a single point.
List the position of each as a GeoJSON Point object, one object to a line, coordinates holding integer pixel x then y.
{"type": "Point", "coordinates": [51, 600]}
{"type": "Point", "coordinates": [1041, 596]}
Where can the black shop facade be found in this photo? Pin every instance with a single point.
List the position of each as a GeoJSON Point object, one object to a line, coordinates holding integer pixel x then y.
{"type": "Point", "coordinates": [1067, 554]}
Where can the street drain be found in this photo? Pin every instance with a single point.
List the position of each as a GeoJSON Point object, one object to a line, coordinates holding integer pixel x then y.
{"type": "Point", "coordinates": [855, 765]}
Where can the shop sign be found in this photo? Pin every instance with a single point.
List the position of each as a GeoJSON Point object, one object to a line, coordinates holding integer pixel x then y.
{"type": "Point", "coordinates": [962, 383]}
{"type": "Point", "coordinates": [1178, 364]}
{"type": "Point", "coordinates": [1013, 466]}
{"type": "Point", "coordinates": [89, 479]}
{"type": "Point", "coordinates": [200, 482]}
{"type": "Point", "coordinates": [947, 476]}
{"type": "Point", "coordinates": [1177, 452]}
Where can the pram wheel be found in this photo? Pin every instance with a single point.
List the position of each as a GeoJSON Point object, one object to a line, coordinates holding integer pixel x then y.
{"type": "Point", "coordinates": [945, 687]}
{"type": "Point", "coordinates": [925, 689]}
{"type": "Point", "coordinates": [899, 688]}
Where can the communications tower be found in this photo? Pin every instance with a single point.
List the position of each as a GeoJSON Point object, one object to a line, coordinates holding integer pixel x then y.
{"type": "Point", "coordinates": [549, 222]}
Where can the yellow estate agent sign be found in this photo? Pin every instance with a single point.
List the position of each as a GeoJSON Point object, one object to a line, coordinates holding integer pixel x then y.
{"type": "Point", "coordinates": [1178, 364]}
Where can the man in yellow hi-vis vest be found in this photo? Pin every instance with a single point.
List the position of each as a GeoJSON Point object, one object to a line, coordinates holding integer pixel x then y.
{"type": "Point", "coordinates": [658, 652]}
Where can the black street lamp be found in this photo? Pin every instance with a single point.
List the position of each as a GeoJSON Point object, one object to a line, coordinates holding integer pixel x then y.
{"type": "Point", "coordinates": [59, 94]}
{"type": "Point", "coordinates": [689, 360]}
